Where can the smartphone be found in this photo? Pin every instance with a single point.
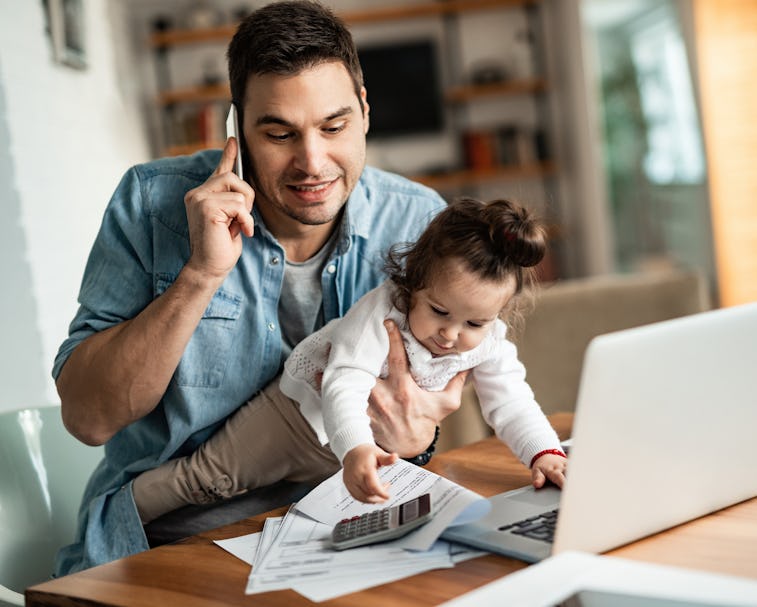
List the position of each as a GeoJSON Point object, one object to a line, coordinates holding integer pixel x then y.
{"type": "Point", "coordinates": [602, 598]}
{"type": "Point", "coordinates": [232, 130]}
{"type": "Point", "coordinates": [381, 525]}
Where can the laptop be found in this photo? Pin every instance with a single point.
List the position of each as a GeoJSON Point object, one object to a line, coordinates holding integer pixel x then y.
{"type": "Point", "coordinates": [664, 432]}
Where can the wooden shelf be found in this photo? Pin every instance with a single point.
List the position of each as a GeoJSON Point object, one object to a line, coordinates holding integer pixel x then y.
{"type": "Point", "coordinates": [195, 94]}
{"type": "Point", "coordinates": [467, 177]}
{"type": "Point", "coordinates": [462, 94]}
{"type": "Point", "coordinates": [429, 9]}
{"type": "Point", "coordinates": [222, 33]}
{"type": "Point", "coordinates": [191, 148]}
{"type": "Point", "coordinates": [179, 37]}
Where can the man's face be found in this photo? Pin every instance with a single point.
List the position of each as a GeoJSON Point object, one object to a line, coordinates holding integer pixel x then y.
{"type": "Point", "coordinates": [305, 137]}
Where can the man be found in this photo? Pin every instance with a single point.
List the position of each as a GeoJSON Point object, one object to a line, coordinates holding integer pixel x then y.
{"type": "Point", "coordinates": [199, 283]}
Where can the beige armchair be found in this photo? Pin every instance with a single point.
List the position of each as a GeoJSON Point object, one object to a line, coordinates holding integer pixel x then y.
{"type": "Point", "coordinates": [566, 316]}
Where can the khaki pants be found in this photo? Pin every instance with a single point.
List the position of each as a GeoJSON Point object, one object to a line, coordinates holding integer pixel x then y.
{"type": "Point", "coordinates": [265, 441]}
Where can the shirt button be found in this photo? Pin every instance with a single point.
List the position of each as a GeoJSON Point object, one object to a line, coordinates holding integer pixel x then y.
{"type": "Point", "coordinates": [331, 268]}
{"type": "Point", "coordinates": [271, 326]}
{"type": "Point", "coordinates": [274, 261]}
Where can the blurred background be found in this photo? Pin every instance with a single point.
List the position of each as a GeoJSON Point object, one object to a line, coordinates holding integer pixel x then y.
{"type": "Point", "coordinates": [628, 124]}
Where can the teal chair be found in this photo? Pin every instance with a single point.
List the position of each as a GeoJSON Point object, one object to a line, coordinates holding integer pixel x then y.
{"type": "Point", "coordinates": [43, 471]}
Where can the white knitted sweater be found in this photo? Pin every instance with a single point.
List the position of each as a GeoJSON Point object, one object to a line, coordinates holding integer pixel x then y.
{"type": "Point", "coordinates": [351, 353]}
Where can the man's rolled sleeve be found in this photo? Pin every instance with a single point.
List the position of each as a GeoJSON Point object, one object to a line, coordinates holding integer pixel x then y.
{"type": "Point", "coordinates": [117, 282]}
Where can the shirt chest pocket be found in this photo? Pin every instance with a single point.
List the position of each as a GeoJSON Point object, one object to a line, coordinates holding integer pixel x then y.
{"type": "Point", "coordinates": [204, 362]}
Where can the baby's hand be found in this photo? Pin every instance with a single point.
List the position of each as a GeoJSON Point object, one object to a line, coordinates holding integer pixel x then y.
{"type": "Point", "coordinates": [549, 467]}
{"type": "Point", "coordinates": [360, 476]}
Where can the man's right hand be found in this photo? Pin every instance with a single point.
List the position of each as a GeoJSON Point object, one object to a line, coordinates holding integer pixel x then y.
{"type": "Point", "coordinates": [117, 376]}
{"type": "Point", "coordinates": [218, 213]}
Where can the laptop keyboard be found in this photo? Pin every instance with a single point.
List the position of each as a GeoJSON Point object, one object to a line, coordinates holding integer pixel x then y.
{"type": "Point", "coordinates": [539, 527]}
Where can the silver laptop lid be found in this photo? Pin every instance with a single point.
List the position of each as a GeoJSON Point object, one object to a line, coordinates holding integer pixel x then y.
{"type": "Point", "coordinates": [665, 428]}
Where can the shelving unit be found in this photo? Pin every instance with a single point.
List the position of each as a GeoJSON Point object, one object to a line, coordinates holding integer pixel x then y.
{"type": "Point", "coordinates": [450, 180]}
{"type": "Point", "coordinates": [469, 92]}
{"type": "Point", "coordinates": [223, 33]}
{"type": "Point", "coordinates": [459, 95]}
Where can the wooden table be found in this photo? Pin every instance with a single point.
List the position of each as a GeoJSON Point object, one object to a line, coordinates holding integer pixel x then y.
{"type": "Point", "coordinates": [196, 573]}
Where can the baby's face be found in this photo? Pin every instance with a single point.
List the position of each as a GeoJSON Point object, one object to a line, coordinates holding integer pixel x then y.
{"type": "Point", "coordinates": [456, 311]}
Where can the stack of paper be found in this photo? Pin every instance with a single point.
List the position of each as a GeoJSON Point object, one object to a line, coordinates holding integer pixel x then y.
{"type": "Point", "coordinates": [294, 551]}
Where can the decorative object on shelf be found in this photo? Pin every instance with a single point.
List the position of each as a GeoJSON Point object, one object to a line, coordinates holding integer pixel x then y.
{"type": "Point", "coordinates": [211, 122]}
{"type": "Point", "coordinates": [240, 12]}
{"type": "Point", "coordinates": [541, 141]}
{"type": "Point", "coordinates": [161, 23]}
{"type": "Point", "coordinates": [202, 15]}
{"type": "Point", "coordinates": [509, 145]}
{"type": "Point", "coordinates": [488, 72]}
{"type": "Point", "coordinates": [65, 25]}
{"type": "Point", "coordinates": [516, 145]}
{"type": "Point", "coordinates": [522, 54]}
{"type": "Point", "coordinates": [480, 149]}
{"type": "Point", "coordinates": [212, 74]}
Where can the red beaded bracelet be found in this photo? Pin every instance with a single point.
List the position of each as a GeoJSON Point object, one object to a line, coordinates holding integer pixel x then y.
{"type": "Point", "coordinates": [546, 452]}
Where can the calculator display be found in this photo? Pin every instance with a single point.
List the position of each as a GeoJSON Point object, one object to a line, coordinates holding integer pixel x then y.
{"type": "Point", "coordinates": [411, 510]}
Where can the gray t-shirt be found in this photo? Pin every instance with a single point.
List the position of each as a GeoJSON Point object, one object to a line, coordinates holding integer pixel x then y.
{"type": "Point", "coordinates": [301, 302]}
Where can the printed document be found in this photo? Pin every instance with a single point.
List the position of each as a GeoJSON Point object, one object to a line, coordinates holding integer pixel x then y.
{"type": "Point", "coordinates": [294, 551]}
{"type": "Point", "coordinates": [300, 550]}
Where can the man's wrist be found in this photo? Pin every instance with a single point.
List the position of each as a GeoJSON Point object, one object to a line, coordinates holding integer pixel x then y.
{"type": "Point", "coordinates": [424, 458]}
{"type": "Point", "coordinates": [200, 281]}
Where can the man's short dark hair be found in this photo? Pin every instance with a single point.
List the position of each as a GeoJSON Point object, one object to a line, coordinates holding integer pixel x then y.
{"type": "Point", "coordinates": [285, 38]}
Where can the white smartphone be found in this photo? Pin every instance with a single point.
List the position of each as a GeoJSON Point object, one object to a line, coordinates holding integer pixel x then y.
{"type": "Point", "coordinates": [232, 130]}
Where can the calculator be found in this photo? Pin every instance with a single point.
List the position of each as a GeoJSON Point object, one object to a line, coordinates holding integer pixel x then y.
{"type": "Point", "coordinates": [381, 525]}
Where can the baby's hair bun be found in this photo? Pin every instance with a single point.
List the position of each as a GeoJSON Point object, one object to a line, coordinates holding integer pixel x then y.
{"type": "Point", "coordinates": [515, 232]}
{"type": "Point", "coordinates": [497, 241]}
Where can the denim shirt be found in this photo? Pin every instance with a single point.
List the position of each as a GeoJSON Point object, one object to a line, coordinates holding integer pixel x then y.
{"type": "Point", "coordinates": [235, 351]}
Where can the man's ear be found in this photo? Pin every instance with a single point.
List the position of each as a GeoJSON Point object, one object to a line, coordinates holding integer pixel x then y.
{"type": "Point", "coordinates": [366, 109]}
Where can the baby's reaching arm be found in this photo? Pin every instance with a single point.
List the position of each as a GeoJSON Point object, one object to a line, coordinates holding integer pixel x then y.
{"type": "Point", "coordinates": [548, 466]}
{"type": "Point", "coordinates": [360, 476]}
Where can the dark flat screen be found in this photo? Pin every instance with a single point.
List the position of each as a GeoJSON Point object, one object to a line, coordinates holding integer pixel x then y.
{"type": "Point", "coordinates": [403, 88]}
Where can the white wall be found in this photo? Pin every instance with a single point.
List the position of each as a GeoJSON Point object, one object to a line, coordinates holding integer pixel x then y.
{"type": "Point", "coordinates": [66, 136]}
